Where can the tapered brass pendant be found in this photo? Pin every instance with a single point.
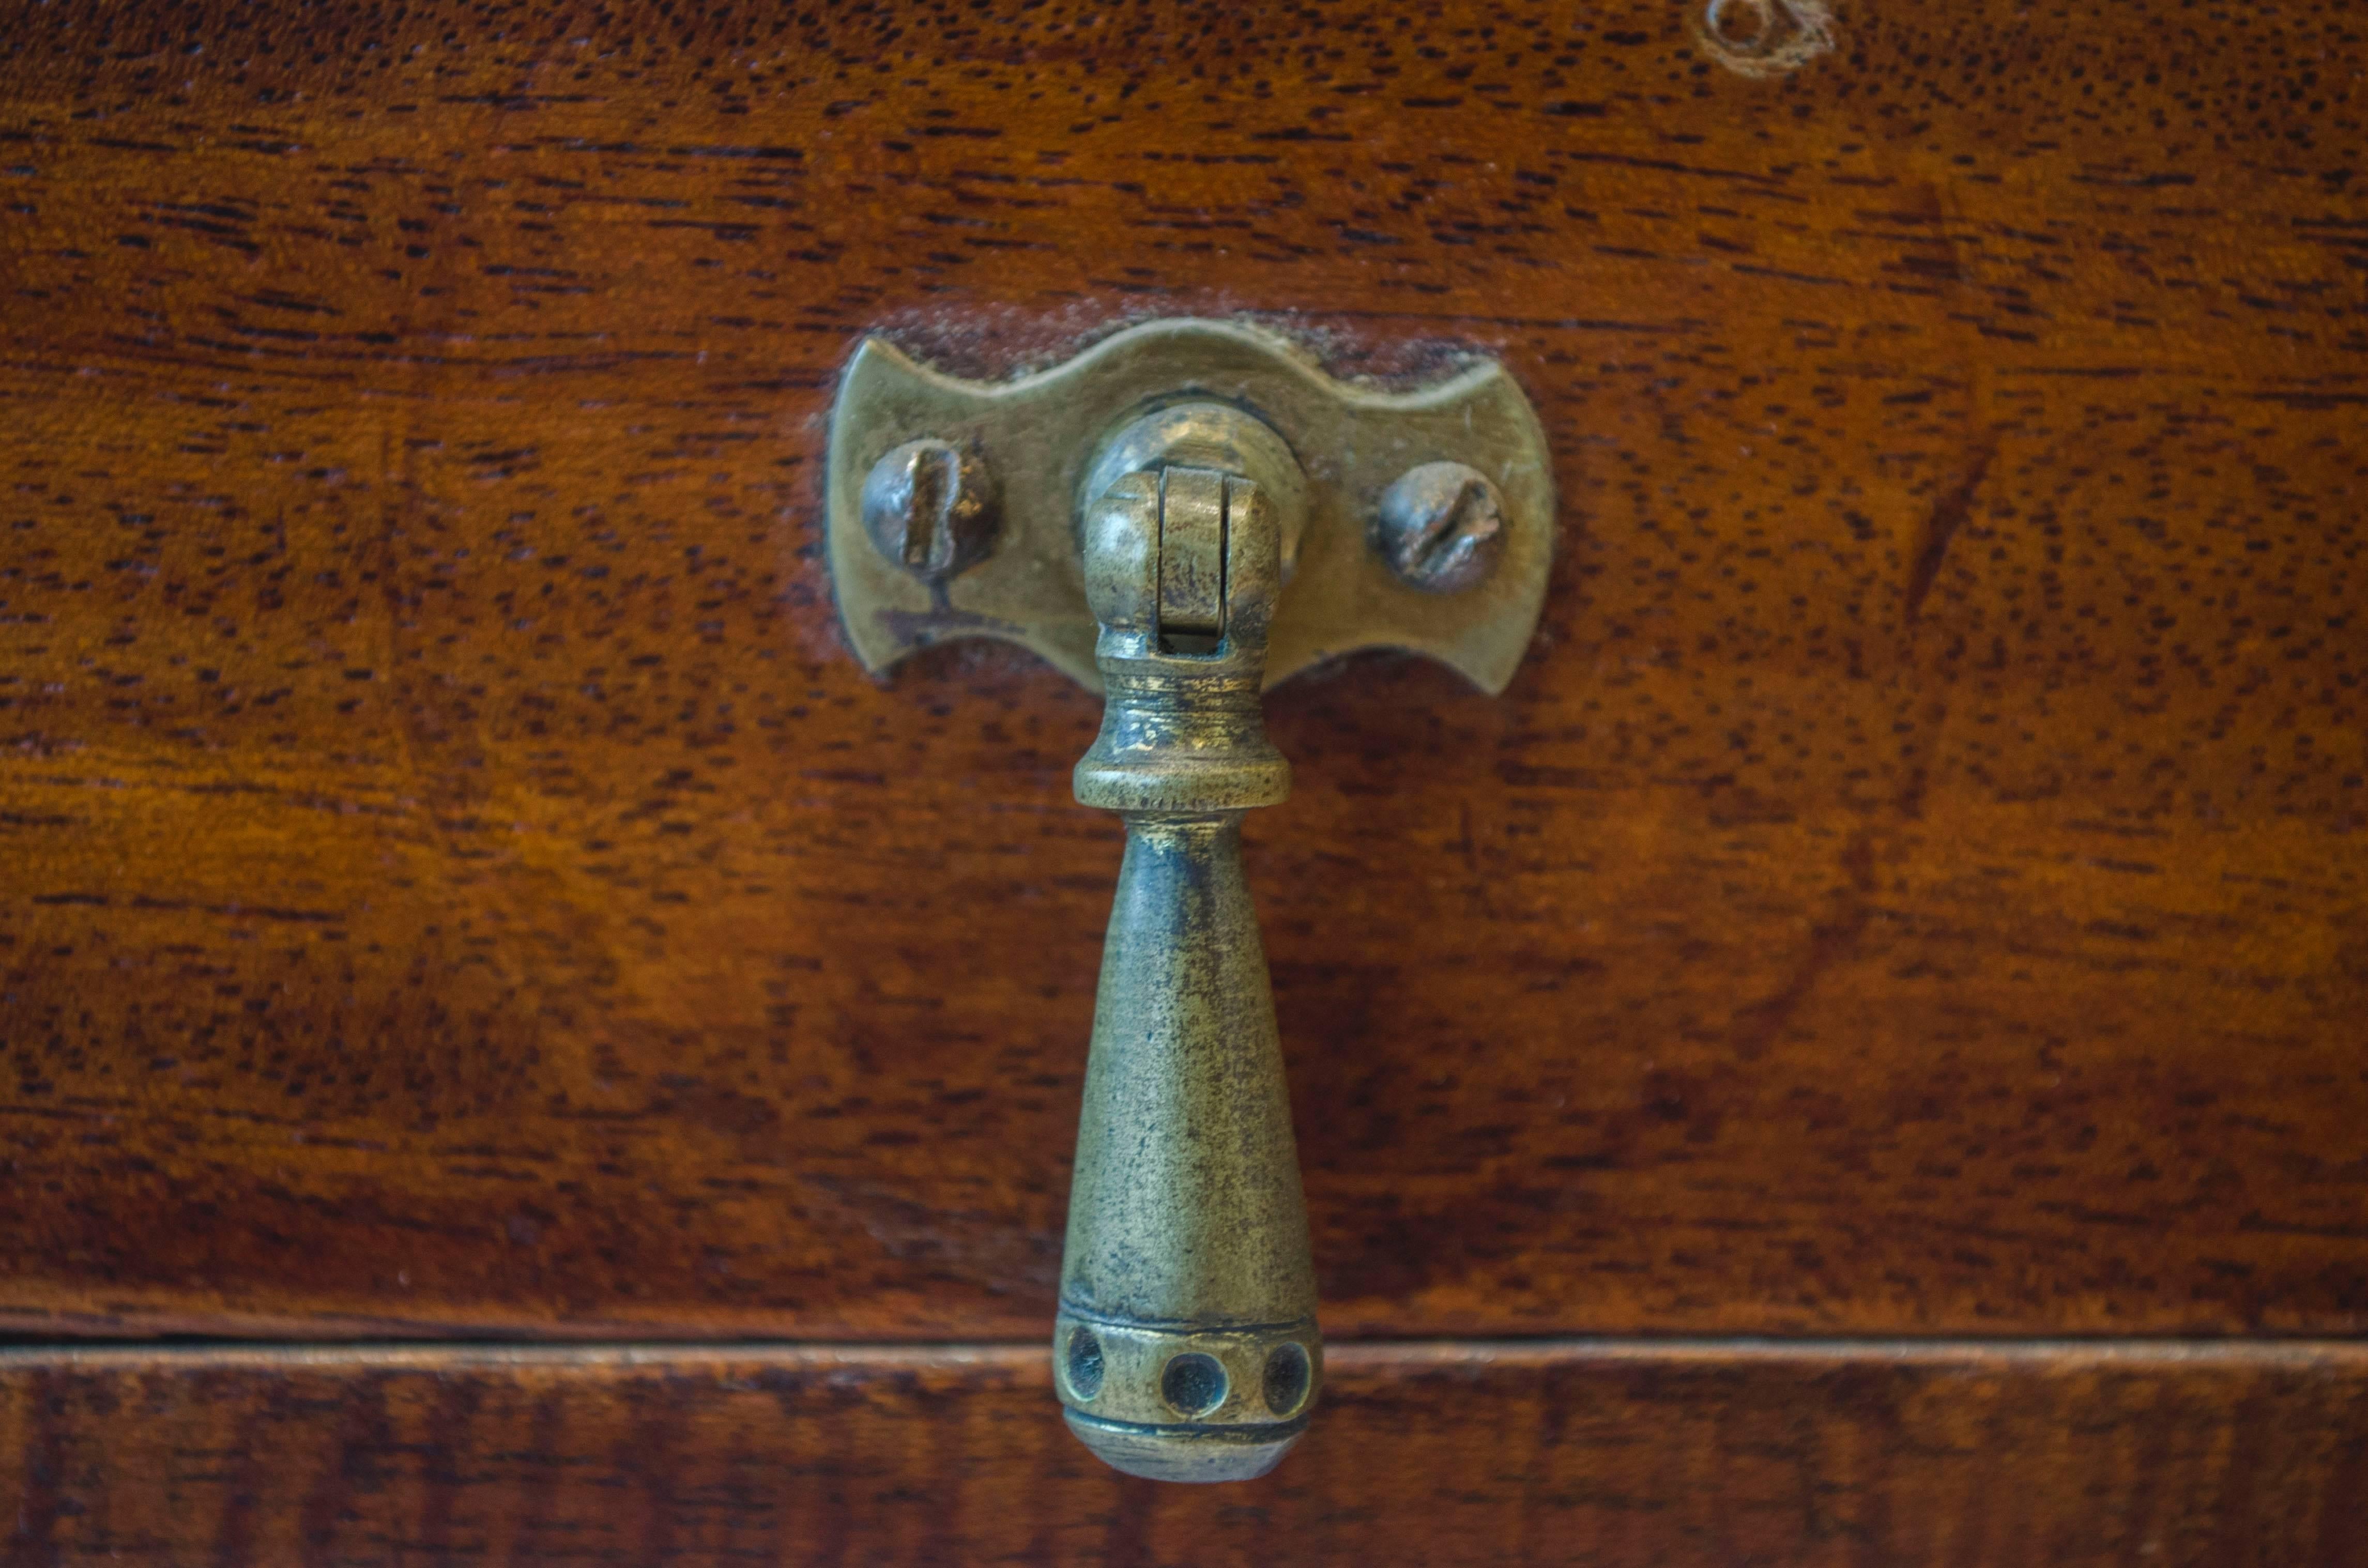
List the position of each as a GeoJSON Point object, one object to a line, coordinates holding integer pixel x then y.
{"type": "Point", "coordinates": [1187, 1347]}
{"type": "Point", "coordinates": [1159, 507]}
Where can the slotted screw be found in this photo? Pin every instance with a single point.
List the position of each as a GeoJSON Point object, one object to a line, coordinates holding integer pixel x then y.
{"type": "Point", "coordinates": [1441, 527]}
{"type": "Point", "coordinates": [930, 507]}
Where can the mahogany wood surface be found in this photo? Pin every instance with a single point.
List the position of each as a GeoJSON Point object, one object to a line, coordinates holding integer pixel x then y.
{"type": "Point", "coordinates": [454, 880]}
{"type": "Point", "coordinates": [1628, 1454]}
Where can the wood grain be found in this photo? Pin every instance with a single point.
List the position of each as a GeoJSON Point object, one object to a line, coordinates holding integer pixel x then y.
{"type": "Point", "coordinates": [2155, 1455]}
{"type": "Point", "coordinates": [455, 882]}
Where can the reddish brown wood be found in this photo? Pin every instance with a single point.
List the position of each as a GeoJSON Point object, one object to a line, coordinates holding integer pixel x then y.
{"type": "Point", "coordinates": [455, 882]}
{"type": "Point", "coordinates": [2083, 1456]}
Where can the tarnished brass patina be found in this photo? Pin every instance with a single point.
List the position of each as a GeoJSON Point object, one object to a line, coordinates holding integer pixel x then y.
{"type": "Point", "coordinates": [1048, 438]}
{"type": "Point", "coordinates": [1186, 1348]}
{"type": "Point", "coordinates": [1179, 517]}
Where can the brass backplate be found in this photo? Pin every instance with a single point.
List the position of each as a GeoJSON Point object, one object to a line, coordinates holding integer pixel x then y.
{"type": "Point", "coordinates": [1040, 434]}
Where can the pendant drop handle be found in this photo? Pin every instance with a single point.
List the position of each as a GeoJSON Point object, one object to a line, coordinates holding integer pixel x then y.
{"type": "Point", "coordinates": [1132, 516]}
{"type": "Point", "coordinates": [1186, 1348]}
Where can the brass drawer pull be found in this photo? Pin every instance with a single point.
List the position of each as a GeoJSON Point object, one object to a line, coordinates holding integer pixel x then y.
{"type": "Point", "coordinates": [1186, 1347]}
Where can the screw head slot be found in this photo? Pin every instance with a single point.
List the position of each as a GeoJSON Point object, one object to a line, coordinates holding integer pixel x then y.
{"type": "Point", "coordinates": [1441, 527]}
{"type": "Point", "coordinates": [930, 507]}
